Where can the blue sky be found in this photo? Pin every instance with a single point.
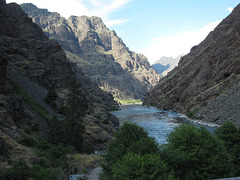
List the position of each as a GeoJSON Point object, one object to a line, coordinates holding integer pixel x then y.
{"type": "Point", "coordinates": [155, 28]}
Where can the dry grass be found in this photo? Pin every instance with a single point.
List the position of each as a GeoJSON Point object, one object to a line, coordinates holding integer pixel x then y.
{"type": "Point", "coordinates": [85, 163]}
{"type": "Point", "coordinates": [15, 151]}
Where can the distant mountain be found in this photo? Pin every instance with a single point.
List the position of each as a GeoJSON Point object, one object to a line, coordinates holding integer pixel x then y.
{"type": "Point", "coordinates": [207, 80]}
{"type": "Point", "coordinates": [166, 64]}
{"type": "Point", "coordinates": [99, 52]}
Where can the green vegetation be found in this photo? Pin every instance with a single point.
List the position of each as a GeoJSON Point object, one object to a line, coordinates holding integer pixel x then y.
{"type": "Point", "coordinates": [51, 163]}
{"type": "Point", "coordinates": [38, 108]}
{"type": "Point", "coordinates": [230, 135]}
{"type": "Point", "coordinates": [136, 166]}
{"type": "Point", "coordinates": [54, 154]}
{"type": "Point", "coordinates": [105, 121]}
{"type": "Point", "coordinates": [128, 101]}
{"type": "Point", "coordinates": [133, 155]}
{"type": "Point", "coordinates": [190, 114]}
{"type": "Point", "coordinates": [153, 104]}
{"type": "Point", "coordinates": [69, 131]}
{"type": "Point", "coordinates": [51, 97]}
{"type": "Point", "coordinates": [190, 153]}
{"type": "Point", "coordinates": [195, 153]}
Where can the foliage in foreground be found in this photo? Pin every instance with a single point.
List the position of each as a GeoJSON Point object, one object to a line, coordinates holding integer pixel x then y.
{"type": "Point", "coordinates": [191, 153]}
{"type": "Point", "coordinates": [195, 153]}
{"type": "Point", "coordinates": [51, 163]}
{"type": "Point", "coordinates": [230, 135]}
{"type": "Point", "coordinates": [133, 155]}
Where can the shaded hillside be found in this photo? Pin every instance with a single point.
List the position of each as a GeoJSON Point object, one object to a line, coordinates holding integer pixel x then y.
{"type": "Point", "coordinates": [207, 78]}
{"type": "Point", "coordinates": [166, 64]}
{"type": "Point", "coordinates": [99, 52]}
{"type": "Point", "coordinates": [31, 66]}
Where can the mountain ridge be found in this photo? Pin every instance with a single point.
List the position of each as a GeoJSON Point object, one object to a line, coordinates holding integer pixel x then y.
{"type": "Point", "coordinates": [31, 66]}
{"type": "Point", "coordinates": [102, 55]}
{"type": "Point", "coordinates": [209, 71]}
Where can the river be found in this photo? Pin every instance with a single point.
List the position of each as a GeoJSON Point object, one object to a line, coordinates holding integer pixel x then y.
{"type": "Point", "coordinates": [156, 122]}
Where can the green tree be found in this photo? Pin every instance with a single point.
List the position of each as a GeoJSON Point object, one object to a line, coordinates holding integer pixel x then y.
{"type": "Point", "coordinates": [74, 110]}
{"type": "Point", "coordinates": [195, 153]}
{"type": "Point", "coordinates": [56, 133]}
{"type": "Point", "coordinates": [131, 141]}
{"type": "Point", "coordinates": [141, 167]}
{"type": "Point", "coordinates": [38, 172]}
{"type": "Point", "coordinates": [69, 131]}
{"type": "Point", "coordinates": [51, 97]}
{"type": "Point", "coordinates": [18, 171]}
{"type": "Point", "coordinates": [230, 134]}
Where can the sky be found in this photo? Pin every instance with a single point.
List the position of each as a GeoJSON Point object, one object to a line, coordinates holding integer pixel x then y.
{"type": "Point", "coordinates": [154, 28]}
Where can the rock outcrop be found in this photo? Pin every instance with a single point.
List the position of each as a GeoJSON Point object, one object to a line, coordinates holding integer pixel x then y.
{"type": "Point", "coordinates": [29, 60]}
{"type": "Point", "coordinates": [99, 52]}
{"type": "Point", "coordinates": [206, 78]}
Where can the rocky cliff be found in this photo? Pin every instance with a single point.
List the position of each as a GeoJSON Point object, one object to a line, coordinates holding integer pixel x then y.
{"type": "Point", "coordinates": [206, 80]}
{"type": "Point", "coordinates": [99, 52]}
{"type": "Point", "coordinates": [30, 66]}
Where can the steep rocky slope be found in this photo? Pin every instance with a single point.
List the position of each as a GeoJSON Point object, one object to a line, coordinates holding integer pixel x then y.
{"type": "Point", "coordinates": [31, 62]}
{"type": "Point", "coordinates": [206, 80]}
{"type": "Point", "coordinates": [99, 52]}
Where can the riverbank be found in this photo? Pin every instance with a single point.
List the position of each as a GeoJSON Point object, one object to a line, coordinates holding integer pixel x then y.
{"type": "Point", "coordinates": [198, 121]}
{"type": "Point", "coordinates": [128, 101]}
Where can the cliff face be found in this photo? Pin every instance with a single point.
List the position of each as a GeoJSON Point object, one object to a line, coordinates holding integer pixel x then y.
{"type": "Point", "coordinates": [99, 52]}
{"type": "Point", "coordinates": [30, 60]}
{"type": "Point", "coordinates": [206, 76]}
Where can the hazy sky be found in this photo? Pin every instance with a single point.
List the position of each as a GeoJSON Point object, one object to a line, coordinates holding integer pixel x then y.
{"type": "Point", "coordinates": [155, 28]}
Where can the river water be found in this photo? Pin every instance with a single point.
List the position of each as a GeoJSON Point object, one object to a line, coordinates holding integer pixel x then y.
{"type": "Point", "coordinates": [156, 122]}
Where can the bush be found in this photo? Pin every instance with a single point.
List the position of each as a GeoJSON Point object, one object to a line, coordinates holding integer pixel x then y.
{"type": "Point", "coordinates": [190, 114]}
{"type": "Point", "coordinates": [136, 166]}
{"type": "Point", "coordinates": [195, 153]}
{"type": "Point", "coordinates": [230, 134]}
{"type": "Point", "coordinates": [133, 154]}
{"type": "Point", "coordinates": [21, 171]}
{"type": "Point", "coordinates": [38, 172]}
{"type": "Point", "coordinates": [27, 140]}
{"type": "Point", "coordinates": [51, 97]}
{"type": "Point", "coordinates": [18, 171]}
{"type": "Point", "coordinates": [105, 121]}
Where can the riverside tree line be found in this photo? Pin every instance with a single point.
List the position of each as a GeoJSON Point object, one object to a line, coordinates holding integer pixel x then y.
{"type": "Point", "coordinates": [190, 153]}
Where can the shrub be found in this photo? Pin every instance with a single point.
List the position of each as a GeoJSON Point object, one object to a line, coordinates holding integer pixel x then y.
{"type": "Point", "coordinates": [230, 134]}
{"type": "Point", "coordinates": [195, 153]}
{"type": "Point", "coordinates": [136, 166]}
{"type": "Point", "coordinates": [132, 141]}
{"type": "Point", "coordinates": [105, 121]}
{"type": "Point", "coordinates": [27, 140]}
{"type": "Point", "coordinates": [18, 171]}
{"type": "Point", "coordinates": [51, 97]}
{"type": "Point", "coordinates": [38, 172]}
{"type": "Point", "coordinates": [190, 114]}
